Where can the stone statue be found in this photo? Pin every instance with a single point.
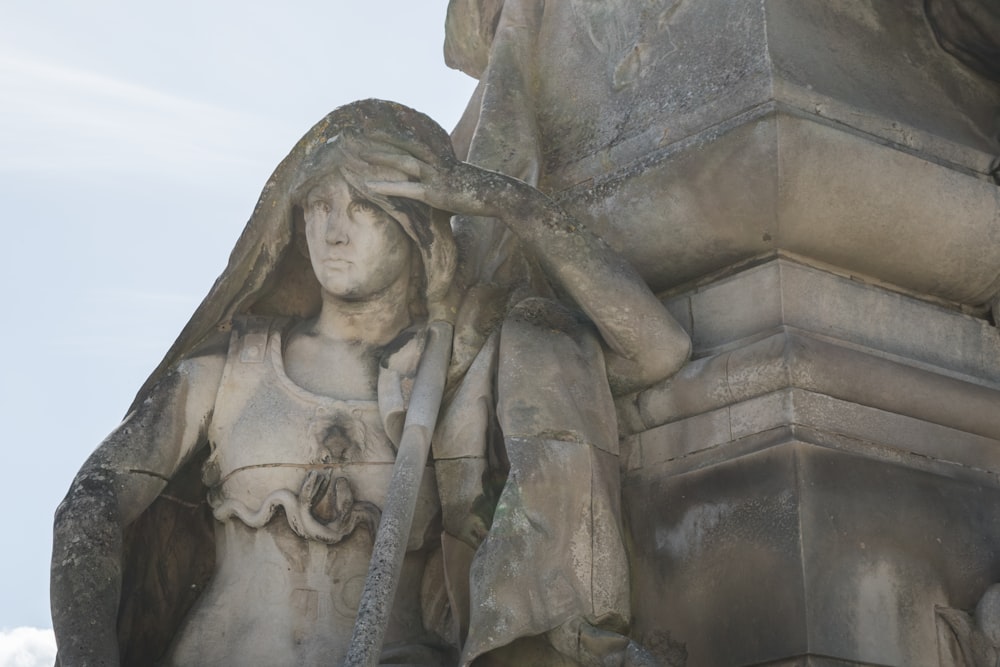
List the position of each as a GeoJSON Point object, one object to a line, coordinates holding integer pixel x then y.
{"type": "Point", "coordinates": [971, 640]}
{"type": "Point", "coordinates": [229, 518]}
{"type": "Point", "coordinates": [968, 30]}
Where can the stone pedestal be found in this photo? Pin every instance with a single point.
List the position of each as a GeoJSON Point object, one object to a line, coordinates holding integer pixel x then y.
{"type": "Point", "coordinates": [820, 479]}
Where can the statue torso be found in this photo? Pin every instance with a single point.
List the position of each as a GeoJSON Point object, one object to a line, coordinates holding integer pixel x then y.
{"type": "Point", "coordinates": [296, 483]}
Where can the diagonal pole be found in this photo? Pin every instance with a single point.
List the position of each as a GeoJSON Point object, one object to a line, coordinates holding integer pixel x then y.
{"type": "Point", "coordinates": [397, 515]}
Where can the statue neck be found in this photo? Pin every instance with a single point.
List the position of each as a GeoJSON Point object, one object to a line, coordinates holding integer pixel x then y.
{"type": "Point", "coordinates": [374, 321]}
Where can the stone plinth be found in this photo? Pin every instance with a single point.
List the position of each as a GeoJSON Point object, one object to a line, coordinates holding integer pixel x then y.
{"type": "Point", "coordinates": [693, 135]}
{"type": "Point", "coordinates": [777, 178]}
{"type": "Point", "coordinates": [618, 79]}
{"type": "Point", "coordinates": [819, 479]}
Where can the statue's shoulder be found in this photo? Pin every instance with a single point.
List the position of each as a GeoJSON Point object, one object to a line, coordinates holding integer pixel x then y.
{"type": "Point", "coordinates": [246, 338]}
{"type": "Point", "coordinates": [243, 335]}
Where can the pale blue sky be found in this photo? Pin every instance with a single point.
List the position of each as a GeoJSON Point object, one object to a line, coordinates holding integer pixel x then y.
{"type": "Point", "coordinates": [134, 140]}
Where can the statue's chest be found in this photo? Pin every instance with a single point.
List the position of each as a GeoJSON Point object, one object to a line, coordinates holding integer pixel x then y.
{"type": "Point", "coordinates": [262, 436]}
{"type": "Point", "coordinates": [275, 443]}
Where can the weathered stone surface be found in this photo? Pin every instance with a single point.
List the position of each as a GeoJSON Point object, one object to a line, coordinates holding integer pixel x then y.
{"type": "Point", "coordinates": [784, 180]}
{"type": "Point", "coordinates": [839, 131]}
{"type": "Point", "coordinates": [802, 548]}
{"type": "Point", "coordinates": [787, 291]}
{"type": "Point", "coordinates": [820, 479]}
{"type": "Point", "coordinates": [644, 77]}
{"type": "Point", "coordinates": [783, 324]}
{"type": "Point", "coordinates": [970, 31]}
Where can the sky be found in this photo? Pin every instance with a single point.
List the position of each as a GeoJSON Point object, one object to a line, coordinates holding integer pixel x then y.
{"type": "Point", "coordinates": [134, 142]}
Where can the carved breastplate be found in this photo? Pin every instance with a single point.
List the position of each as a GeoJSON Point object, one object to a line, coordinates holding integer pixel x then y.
{"type": "Point", "coordinates": [326, 463]}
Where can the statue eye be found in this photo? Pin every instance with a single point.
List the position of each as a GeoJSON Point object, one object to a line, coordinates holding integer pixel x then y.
{"type": "Point", "coordinates": [320, 206]}
{"type": "Point", "coordinates": [361, 204]}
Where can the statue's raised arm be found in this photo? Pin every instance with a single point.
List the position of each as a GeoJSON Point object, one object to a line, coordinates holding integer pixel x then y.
{"type": "Point", "coordinates": [645, 344]}
{"type": "Point", "coordinates": [548, 370]}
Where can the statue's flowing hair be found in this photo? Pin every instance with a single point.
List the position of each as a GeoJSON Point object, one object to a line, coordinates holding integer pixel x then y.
{"type": "Point", "coordinates": [169, 551]}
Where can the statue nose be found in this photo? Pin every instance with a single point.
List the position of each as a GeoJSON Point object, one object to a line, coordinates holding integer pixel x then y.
{"type": "Point", "coordinates": [336, 232]}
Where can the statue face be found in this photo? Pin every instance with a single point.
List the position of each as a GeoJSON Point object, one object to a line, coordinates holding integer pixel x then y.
{"type": "Point", "coordinates": [357, 250]}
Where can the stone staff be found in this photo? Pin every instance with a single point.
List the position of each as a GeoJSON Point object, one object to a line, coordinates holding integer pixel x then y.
{"type": "Point", "coordinates": [397, 514]}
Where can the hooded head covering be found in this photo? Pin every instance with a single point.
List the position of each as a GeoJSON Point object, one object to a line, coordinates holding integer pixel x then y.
{"type": "Point", "coordinates": [266, 275]}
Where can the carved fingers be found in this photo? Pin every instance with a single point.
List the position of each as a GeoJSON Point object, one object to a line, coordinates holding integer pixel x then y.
{"type": "Point", "coordinates": [401, 162]}
{"type": "Point", "coordinates": [407, 144]}
{"type": "Point", "coordinates": [386, 170]}
{"type": "Point", "coordinates": [411, 171]}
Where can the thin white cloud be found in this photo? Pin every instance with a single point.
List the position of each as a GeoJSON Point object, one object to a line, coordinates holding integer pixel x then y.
{"type": "Point", "coordinates": [27, 647]}
{"type": "Point", "coordinates": [57, 117]}
{"type": "Point", "coordinates": [76, 81]}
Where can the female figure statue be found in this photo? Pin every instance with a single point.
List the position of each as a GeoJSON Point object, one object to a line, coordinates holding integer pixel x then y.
{"type": "Point", "coordinates": [229, 519]}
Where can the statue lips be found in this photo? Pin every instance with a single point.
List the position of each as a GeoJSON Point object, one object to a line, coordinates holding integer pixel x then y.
{"type": "Point", "coordinates": [337, 262]}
